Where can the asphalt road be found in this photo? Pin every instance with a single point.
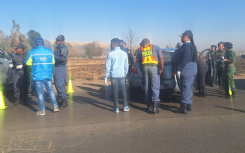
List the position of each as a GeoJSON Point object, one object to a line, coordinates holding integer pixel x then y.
{"type": "Point", "coordinates": [88, 124]}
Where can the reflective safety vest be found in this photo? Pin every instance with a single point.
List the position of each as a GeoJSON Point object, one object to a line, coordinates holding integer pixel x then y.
{"type": "Point", "coordinates": [147, 55]}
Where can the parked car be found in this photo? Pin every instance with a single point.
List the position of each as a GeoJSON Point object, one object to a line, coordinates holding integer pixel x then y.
{"type": "Point", "coordinates": [168, 81]}
{"type": "Point", "coordinates": [6, 73]}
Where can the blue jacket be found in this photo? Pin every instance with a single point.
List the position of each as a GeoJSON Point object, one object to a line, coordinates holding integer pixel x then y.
{"type": "Point", "coordinates": [116, 64]}
{"type": "Point", "coordinates": [42, 61]}
{"type": "Point", "coordinates": [187, 54]}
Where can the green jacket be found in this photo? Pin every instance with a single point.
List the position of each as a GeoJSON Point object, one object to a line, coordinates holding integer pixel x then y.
{"type": "Point", "coordinates": [230, 55]}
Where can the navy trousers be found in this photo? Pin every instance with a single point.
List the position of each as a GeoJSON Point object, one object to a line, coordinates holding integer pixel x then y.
{"type": "Point", "coordinates": [59, 79]}
{"type": "Point", "coordinates": [187, 77]}
{"type": "Point", "coordinates": [151, 84]}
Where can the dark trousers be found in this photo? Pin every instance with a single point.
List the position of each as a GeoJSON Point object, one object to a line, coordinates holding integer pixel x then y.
{"type": "Point", "coordinates": [187, 77]}
{"type": "Point", "coordinates": [114, 83]}
{"type": "Point", "coordinates": [19, 86]}
{"type": "Point", "coordinates": [220, 75]}
{"type": "Point", "coordinates": [60, 79]}
{"type": "Point", "coordinates": [201, 73]}
{"type": "Point", "coordinates": [151, 84]}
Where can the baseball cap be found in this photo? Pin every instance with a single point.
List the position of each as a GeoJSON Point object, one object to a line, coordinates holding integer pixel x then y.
{"type": "Point", "coordinates": [187, 33]}
{"type": "Point", "coordinates": [39, 41]}
{"type": "Point", "coordinates": [61, 38]}
{"type": "Point", "coordinates": [20, 45]}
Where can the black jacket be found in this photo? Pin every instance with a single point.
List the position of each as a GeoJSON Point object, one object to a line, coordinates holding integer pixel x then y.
{"type": "Point", "coordinates": [19, 59]}
{"type": "Point", "coordinates": [130, 57]}
{"type": "Point", "coordinates": [61, 55]}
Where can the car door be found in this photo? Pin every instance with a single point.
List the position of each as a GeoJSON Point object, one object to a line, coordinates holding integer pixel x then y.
{"type": "Point", "coordinates": [211, 74]}
{"type": "Point", "coordinates": [4, 67]}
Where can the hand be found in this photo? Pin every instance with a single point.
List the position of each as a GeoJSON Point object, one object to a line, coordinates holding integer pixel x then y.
{"type": "Point", "coordinates": [225, 60]}
{"type": "Point", "coordinates": [222, 57]}
{"type": "Point", "coordinates": [106, 82]}
{"type": "Point", "coordinates": [178, 74]}
{"type": "Point", "coordinates": [19, 67]}
{"type": "Point", "coordinates": [160, 71]}
{"type": "Point", "coordinates": [11, 65]}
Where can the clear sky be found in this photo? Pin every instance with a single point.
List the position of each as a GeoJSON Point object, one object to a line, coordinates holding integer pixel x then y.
{"type": "Point", "coordinates": [211, 21]}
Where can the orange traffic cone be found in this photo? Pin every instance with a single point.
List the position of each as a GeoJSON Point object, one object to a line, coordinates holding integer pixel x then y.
{"type": "Point", "coordinates": [2, 104]}
{"type": "Point", "coordinates": [70, 88]}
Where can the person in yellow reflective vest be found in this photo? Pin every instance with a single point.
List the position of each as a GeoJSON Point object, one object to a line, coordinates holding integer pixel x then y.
{"type": "Point", "coordinates": [151, 60]}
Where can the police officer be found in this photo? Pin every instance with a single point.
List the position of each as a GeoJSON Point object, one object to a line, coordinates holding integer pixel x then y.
{"type": "Point", "coordinates": [61, 57]}
{"type": "Point", "coordinates": [229, 70]}
{"type": "Point", "coordinates": [20, 92]}
{"type": "Point", "coordinates": [151, 60]}
{"type": "Point", "coordinates": [178, 45]}
{"type": "Point", "coordinates": [188, 70]}
{"type": "Point", "coordinates": [130, 56]}
{"type": "Point", "coordinates": [219, 56]}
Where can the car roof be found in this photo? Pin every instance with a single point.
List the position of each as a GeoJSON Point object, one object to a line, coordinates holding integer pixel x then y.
{"type": "Point", "coordinates": [169, 49]}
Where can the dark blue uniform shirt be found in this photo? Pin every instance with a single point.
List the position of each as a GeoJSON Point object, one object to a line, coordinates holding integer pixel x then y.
{"type": "Point", "coordinates": [187, 54]}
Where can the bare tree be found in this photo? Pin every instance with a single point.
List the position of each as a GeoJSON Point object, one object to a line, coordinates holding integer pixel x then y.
{"type": "Point", "coordinates": [130, 37]}
{"type": "Point", "coordinates": [17, 37]}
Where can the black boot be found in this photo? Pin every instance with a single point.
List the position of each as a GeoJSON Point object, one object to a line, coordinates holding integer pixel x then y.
{"type": "Point", "coordinates": [150, 107]}
{"type": "Point", "coordinates": [63, 103]}
{"type": "Point", "coordinates": [155, 107]}
{"type": "Point", "coordinates": [183, 108]}
{"type": "Point", "coordinates": [24, 102]}
{"type": "Point", "coordinates": [189, 107]}
{"type": "Point", "coordinates": [16, 102]}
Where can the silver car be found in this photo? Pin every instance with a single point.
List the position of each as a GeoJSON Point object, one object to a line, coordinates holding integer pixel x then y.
{"type": "Point", "coordinates": [168, 81]}
{"type": "Point", "coordinates": [6, 73]}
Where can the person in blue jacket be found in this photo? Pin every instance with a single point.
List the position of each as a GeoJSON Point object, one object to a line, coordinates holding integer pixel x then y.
{"type": "Point", "coordinates": [188, 70]}
{"type": "Point", "coordinates": [42, 60]}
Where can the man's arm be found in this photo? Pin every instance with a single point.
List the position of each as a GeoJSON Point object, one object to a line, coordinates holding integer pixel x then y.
{"type": "Point", "coordinates": [160, 57]}
{"type": "Point", "coordinates": [126, 66]}
{"type": "Point", "coordinates": [107, 67]}
{"type": "Point", "coordinates": [63, 55]}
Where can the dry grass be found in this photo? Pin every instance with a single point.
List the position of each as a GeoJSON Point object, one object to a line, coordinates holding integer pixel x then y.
{"type": "Point", "coordinates": [94, 69]}
{"type": "Point", "coordinates": [86, 69]}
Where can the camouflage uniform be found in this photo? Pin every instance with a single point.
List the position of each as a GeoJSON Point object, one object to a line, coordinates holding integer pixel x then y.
{"type": "Point", "coordinates": [229, 70]}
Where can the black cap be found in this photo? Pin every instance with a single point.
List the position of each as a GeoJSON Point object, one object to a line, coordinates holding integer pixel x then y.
{"type": "Point", "coordinates": [187, 33]}
{"type": "Point", "coordinates": [228, 45]}
{"type": "Point", "coordinates": [20, 45]}
{"type": "Point", "coordinates": [39, 41]}
{"type": "Point", "coordinates": [60, 38]}
{"type": "Point", "coordinates": [144, 41]}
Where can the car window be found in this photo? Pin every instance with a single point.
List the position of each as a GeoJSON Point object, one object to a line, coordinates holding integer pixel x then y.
{"type": "Point", "coordinates": [167, 56]}
{"type": "Point", "coordinates": [1, 54]}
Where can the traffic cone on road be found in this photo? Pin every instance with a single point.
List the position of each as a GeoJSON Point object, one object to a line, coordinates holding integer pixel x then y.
{"type": "Point", "coordinates": [70, 88]}
{"type": "Point", "coordinates": [2, 104]}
